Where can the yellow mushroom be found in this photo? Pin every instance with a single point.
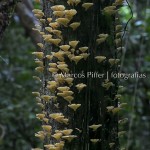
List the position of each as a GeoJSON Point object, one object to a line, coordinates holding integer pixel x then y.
{"type": "Point", "coordinates": [69, 138]}
{"type": "Point", "coordinates": [50, 147]}
{"type": "Point", "coordinates": [40, 45]}
{"type": "Point", "coordinates": [123, 104]}
{"type": "Point", "coordinates": [49, 19]}
{"type": "Point", "coordinates": [38, 99]}
{"type": "Point", "coordinates": [42, 33]}
{"type": "Point", "coordinates": [42, 21]}
{"type": "Point", "coordinates": [61, 94]}
{"type": "Point", "coordinates": [57, 136]}
{"type": "Point", "coordinates": [87, 5]}
{"type": "Point", "coordinates": [59, 119]}
{"type": "Point", "coordinates": [54, 25]}
{"type": "Point", "coordinates": [37, 78]}
{"type": "Point", "coordinates": [49, 29]}
{"type": "Point", "coordinates": [68, 93]}
{"type": "Point", "coordinates": [70, 13]}
{"type": "Point", "coordinates": [73, 43]}
{"type": "Point", "coordinates": [36, 94]}
{"type": "Point", "coordinates": [60, 78]}
{"type": "Point", "coordinates": [46, 120]}
{"type": "Point", "coordinates": [70, 56]}
{"type": "Point", "coordinates": [47, 37]}
{"type": "Point", "coordinates": [85, 55]}
{"type": "Point", "coordinates": [74, 106]}
{"type": "Point", "coordinates": [52, 83]}
{"type": "Point", "coordinates": [53, 65]}
{"type": "Point", "coordinates": [74, 25]}
{"type": "Point", "coordinates": [59, 13]}
{"type": "Point", "coordinates": [39, 69]}
{"type": "Point", "coordinates": [39, 55]}
{"type": "Point", "coordinates": [110, 10]}
{"type": "Point", "coordinates": [107, 85]}
{"type": "Point", "coordinates": [67, 131]}
{"type": "Point", "coordinates": [40, 135]}
{"type": "Point", "coordinates": [53, 70]}
{"type": "Point", "coordinates": [76, 59]}
{"type": "Point", "coordinates": [54, 41]}
{"type": "Point", "coordinates": [46, 97]}
{"type": "Point", "coordinates": [41, 105]}
{"type": "Point", "coordinates": [118, 96]}
{"type": "Point", "coordinates": [57, 32]}
{"type": "Point", "coordinates": [94, 141]}
{"type": "Point", "coordinates": [40, 116]}
{"type": "Point", "coordinates": [100, 40]}
{"type": "Point", "coordinates": [59, 55]}
{"type": "Point", "coordinates": [38, 16]}
{"type": "Point", "coordinates": [118, 42]}
{"type": "Point", "coordinates": [100, 58]}
{"type": "Point", "coordinates": [80, 86]}
{"type": "Point", "coordinates": [121, 133]}
{"type": "Point", "coordinates": [118, 2]}
{"type": "Point", "coordinates": [77, 2]}
{"type": "Point", "coordinates": [116, 110]}
{"type": "Point", "coordinates": [119, 28]}
{"type": "Point", "coordinates": [47, 128]}
{"type": "Point", "coordinates": [118, 35]}
{"type": "Point", "coordinates": [40, 63]}
{"type": "Point", "coordinates": [63, 21]}
{"type": "Point", "coordinates": [70, 2]}
{"type": "Point", "coordinates": [55, 115]}
{"type": "Point", "coordinates": [60, 145]}
{"type": "Point", "coordinates": [111, 145]}
{"type": "Point", "coordinates": [62, 66]}
{"type": "Point", "coordinates": [58, 8]}
{"type": "Point", "coordinates": [95, 127]}
{"type": "Point", "coordinates": [69, 98]}
{"type": "Point", "coordinates": [83, 49]}
{"type": "Point", "coordinates": [110, 108]}
{"type": "Point", "coordinates": [65, 47]}
{"type": "Point", "coordinates": [65, 121]}
{"type": "Point", "coordinates": [63, 88]}
{"type": "Point", "coordinates": [69, 80]}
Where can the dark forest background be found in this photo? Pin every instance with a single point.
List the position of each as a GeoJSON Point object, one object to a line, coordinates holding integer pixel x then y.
{"type": "Point", "coordinates": [17, 105]}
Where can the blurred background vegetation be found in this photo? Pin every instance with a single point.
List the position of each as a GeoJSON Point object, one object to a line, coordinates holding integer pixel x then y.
{"type": "Point", "coordinates": [17, 105]}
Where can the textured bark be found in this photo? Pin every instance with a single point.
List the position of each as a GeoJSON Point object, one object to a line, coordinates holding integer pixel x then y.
{"type": "Point", "coordinates": [94, 98]}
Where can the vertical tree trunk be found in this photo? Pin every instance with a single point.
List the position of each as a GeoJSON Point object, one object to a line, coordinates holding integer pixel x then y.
{"type": "Point", "coordinates": [98, 96]}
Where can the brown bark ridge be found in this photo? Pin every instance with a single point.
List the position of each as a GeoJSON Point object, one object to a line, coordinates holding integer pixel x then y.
{"type": "Point", "coordinates": [95, 122]}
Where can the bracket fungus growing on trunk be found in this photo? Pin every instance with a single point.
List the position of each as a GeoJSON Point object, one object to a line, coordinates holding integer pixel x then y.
{"type": "Point", "coordinates": [79, 112]}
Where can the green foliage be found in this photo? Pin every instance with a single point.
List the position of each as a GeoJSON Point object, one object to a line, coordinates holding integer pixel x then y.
{"type": "Point", "coordinates": [17, 105]}
{"type": "Point", "coordinates": [136, 91]}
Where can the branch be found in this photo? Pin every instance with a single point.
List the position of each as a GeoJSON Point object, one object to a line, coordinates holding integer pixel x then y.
{"type": "Point", "coordinates": [3, 131]}
{"type": "Point", "coordinates": [24, 11]}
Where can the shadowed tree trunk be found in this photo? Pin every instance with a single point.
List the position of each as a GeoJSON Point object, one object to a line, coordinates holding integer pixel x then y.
{"type": "Point", "coordinates": [97, 95]}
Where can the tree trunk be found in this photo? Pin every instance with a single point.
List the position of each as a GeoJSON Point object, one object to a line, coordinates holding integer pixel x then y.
{"type": "Point", "coordinates": [99, 98]}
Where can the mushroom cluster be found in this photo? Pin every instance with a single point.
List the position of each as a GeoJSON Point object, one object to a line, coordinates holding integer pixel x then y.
{"type": "Point", "coordinates": [53, 60]}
